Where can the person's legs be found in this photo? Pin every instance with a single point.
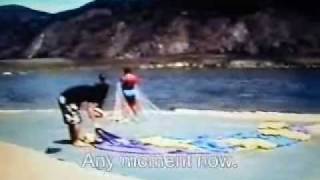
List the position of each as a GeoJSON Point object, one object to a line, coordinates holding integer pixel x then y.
{"type": "Point", "coordinates": [74, 132]}
{"type": "Point", "coordinates": [72, 119]}
{"type": "Point", "coordinates": [131, 100]}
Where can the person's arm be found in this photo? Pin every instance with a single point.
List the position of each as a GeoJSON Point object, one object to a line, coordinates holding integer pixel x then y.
{"type": "Point", "coordinates": [137, 80]}
{"type": "Point", "coordinates": [121, 79]}
{"type": "Point", "coordinates": [103, 93]}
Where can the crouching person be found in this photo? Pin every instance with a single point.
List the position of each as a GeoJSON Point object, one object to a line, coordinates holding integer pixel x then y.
{"type": "Point", "coordinates": [79, 98]}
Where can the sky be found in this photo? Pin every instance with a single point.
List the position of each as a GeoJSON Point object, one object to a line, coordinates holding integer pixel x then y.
{"type": "Point", "coordinates": [51, 6]}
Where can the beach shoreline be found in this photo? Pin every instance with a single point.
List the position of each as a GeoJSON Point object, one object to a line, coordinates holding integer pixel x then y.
{"type": "Point", "coordinates": [257, 116]}
{"type": "Point", "coordinates": [166, 62]}
{"type": "Point", "coordinates": [310, 122]}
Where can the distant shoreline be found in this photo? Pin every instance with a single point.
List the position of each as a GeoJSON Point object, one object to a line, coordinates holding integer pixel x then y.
{"type": "Point", "coordinates": [173, 62]}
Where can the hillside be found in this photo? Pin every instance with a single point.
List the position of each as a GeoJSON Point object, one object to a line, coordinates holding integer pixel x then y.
{"type": "Point", "coordinates": [18, 27]}
{"type": "Point", "coordinates": [135, 29]}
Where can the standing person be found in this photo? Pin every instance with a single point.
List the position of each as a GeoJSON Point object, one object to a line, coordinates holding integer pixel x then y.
{"type": "Point", "coordinates": [129, 82]}
{"type": "Point", "coordinates": [82, 97]}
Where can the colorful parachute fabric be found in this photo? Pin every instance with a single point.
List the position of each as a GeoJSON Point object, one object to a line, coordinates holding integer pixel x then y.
{"type": "Point", "coordinates": [267, 137]}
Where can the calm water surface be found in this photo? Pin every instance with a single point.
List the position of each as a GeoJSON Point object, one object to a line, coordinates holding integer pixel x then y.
{"type": "Point", "coordinates": [293, 90]}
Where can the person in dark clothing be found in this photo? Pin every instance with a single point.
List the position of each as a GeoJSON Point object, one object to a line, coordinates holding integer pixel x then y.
{"type": "Point", "coordinates": [101, 90]}
{"type": "Point", "coordinates": [73, 99]}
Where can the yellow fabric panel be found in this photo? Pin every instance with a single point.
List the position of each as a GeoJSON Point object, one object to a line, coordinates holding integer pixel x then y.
{"type": "Point", "coordinates": [250, 143]}
{"type": "Point", "coordinates": [286, 133]}
{"type": "Point", "coordinates": [168, 143]}
{"type": "Point", "coordinates": [273, 125]}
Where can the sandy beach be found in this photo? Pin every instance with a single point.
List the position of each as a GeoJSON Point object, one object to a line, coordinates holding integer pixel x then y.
{"type": "Point", "coordinates": [15, 159]}
{"type": "Point", "coordinates": [43, 130]}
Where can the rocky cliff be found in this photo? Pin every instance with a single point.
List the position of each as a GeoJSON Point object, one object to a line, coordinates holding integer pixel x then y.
{"type": "Point", "coordinates": [18, 27]}
{"type": "Point", "coordinates": [134, 29]}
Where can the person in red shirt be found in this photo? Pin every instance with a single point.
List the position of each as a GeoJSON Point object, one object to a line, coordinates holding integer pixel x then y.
{"type": "Point", "coordinates": [129, 82]}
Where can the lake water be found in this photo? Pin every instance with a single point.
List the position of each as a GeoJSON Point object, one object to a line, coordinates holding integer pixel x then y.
{"type": "Point", "coordinates": [293, 90]}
